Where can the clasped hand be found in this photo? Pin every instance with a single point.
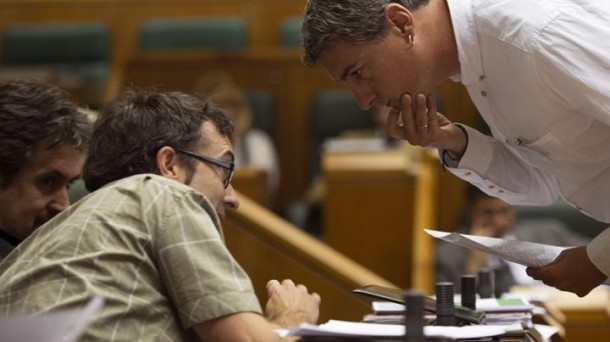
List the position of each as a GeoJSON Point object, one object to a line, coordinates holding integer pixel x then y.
{"type": "Point", "coordinates": [418, 122]}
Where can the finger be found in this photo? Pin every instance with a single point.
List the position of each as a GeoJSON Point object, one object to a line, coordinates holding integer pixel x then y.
{"type": "Point", "coordinates": [532, 272]}
{"type": "Point", "coordinates": [421, 113]}
{"type": "Point", "coordinates": [302, 287]}
{"type": "Point", "coordinates": [432, 115]}
{"type": "Point", "coordinates": [394, 124]}
{"type": "Point", "coordinates": [316, 297]}
{"type": "Point", "coordinates": [272, 284]}
{"type": "Point", "coordinates": [288, 282]}
{"type": "Point", "coordinates": [406, 112]}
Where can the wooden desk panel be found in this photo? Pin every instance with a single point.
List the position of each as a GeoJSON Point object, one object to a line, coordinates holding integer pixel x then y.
{"type": "Point", "coordinates": [580, 319]}
{"type": "Point", "coordinates": [268, 247]}
{"type": "Point", "coordinates": [376, 207]}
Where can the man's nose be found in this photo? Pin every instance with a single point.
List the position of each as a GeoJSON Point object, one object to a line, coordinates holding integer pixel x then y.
{"type": "Point", "coordinates": [60, 201]}
{"type": "Point", "coordinates": [231, 200]}
{"type": "Point", "coordinates": [364, 95]}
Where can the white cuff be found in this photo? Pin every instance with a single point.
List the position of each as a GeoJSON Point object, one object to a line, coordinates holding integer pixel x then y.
{"type": "Point", "coordinates": [597, 250]}
{"type": "Point", "coordinates": [479, 152]}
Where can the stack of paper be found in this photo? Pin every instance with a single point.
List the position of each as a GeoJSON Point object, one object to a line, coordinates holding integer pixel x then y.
{"type": "Point", "coordinates": [507, 310]}
{"type": "Point", "coordinates": [347, 330]}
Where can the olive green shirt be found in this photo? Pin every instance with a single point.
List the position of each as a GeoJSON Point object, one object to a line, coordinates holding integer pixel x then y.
{"type": "Point", "coordinates": [151, 247]}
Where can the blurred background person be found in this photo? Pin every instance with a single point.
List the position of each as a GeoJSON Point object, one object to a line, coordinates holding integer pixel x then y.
{"type": "Point", "coordinates": [253, 147]}
{"type": "Point", "coordinates": [492, 217]}
{"type": "Point", "coordinates": [43, 141]}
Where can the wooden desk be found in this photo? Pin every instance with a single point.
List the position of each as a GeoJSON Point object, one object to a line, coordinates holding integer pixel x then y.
{"type": "Point", "coordinates": [581, 319]}
{"type": "Point", "coordinates": [376, 207]}
{"type": "Point", "coordinates": [268, 247]}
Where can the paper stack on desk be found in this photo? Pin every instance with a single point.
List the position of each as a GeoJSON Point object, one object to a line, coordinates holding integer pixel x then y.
{"type": "Point", "coordinates": [513, 310]}
{"type": "Point", "coordinates": [345, 329]}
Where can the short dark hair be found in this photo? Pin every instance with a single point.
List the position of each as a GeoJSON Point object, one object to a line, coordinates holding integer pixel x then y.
{"type": "Point", "coordinates": [354, 21]}
{"type": "Point", "coordinates": [130, 131]}
{"type": "Point", "coordinates": [31, 111]}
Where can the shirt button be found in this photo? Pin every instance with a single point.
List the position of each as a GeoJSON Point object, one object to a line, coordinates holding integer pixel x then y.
{"type": "Point", "coordinates": [468, 173]}
{"type": "Point", "coordinates": [483, 93]}
{"type": "Point", "coordinates": [491, 187]}
{"type": "Point", "coordinates": [579, 208]}
{"type": "Point", "coordinates": [501, 191]}
{"type": "Point", "coordinates": [481, 78]}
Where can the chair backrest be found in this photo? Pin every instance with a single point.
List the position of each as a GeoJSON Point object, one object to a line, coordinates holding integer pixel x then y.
{"type": "Point", "coordinates": [76, 49]}
{"type": "Point", "coordinates": [290, 32]}
{"type": "Point", "coordinates": [263, 110]}
{"type": "Point", "coordinates": [333, 112]}
{"type": "Point", "coordinates": [575, 220]}
{"type": "Point", "coordinates": [51, 43]}
{"type": "Point", "coordinates": [193, 33]}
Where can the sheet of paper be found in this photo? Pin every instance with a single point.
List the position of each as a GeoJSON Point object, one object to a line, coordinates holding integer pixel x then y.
{"type": "Point", "coordinates": [521, 252]}
{"type": "Point", "coordinates": [56, 326]}
{"type": "Point", "coordinates": [344, 328]}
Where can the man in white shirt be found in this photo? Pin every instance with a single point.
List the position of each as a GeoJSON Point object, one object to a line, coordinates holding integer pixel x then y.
{"type": "Point", "coordinates": [537, 72]}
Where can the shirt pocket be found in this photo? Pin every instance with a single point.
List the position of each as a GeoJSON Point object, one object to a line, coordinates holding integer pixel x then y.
{"type": "Point", "coordinates": [580, 148]}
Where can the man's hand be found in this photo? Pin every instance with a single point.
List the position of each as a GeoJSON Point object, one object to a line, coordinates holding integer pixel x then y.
{"type": "Point", "coordinates": [291, 304]}
{"type": "Point", "coordinates": [418, 122]}
{"type": "Point", "coordinates": [572, 271]}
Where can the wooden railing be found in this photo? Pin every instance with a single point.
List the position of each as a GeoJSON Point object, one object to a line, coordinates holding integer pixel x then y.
{"type": "Point", "coordinates": [270, 248]}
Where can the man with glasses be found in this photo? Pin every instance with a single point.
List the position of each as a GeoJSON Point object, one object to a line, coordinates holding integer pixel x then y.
{"type": "Point", "coordinates": [148, 238]}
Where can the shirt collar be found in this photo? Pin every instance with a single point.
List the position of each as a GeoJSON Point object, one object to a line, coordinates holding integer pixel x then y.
{"type": "Point", "coordinates": [462, 19]}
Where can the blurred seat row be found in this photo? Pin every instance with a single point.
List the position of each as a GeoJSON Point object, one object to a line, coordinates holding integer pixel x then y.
{"type": "Point", "coordinates": [80, 51]}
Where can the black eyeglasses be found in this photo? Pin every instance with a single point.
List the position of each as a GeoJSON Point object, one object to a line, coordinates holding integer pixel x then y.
{"type": "Point", "coordinates": [225, 165]}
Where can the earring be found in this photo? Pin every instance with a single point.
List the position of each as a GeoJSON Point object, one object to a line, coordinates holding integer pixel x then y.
{"type": "Point", "coordinates": [410, 37]}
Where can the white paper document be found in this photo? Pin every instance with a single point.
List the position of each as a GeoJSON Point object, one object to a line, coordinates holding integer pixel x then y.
{"type": "Point", "coordinates": [521, 252]}
{"type": "Point", "coordinates": [55, 326]}
{"type": "Point", "coordinates": [337, 328]}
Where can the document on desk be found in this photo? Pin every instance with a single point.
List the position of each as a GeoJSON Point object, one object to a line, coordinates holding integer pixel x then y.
{"type": "Point", "coordinates": [336, 328]}
{"type": "Point", "coordinates": [55, 326]}
{"type": "Point", "coordinates": [521, 252]}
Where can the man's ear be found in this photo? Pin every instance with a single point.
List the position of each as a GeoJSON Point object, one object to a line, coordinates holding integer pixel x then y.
{"type": "Point", "coordinates": [399, 18]}
{"type": "Point", "coordinates": [167, 163]}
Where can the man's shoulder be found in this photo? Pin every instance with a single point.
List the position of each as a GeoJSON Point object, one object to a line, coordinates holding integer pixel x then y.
{"type": "Point", "coordinates": [151, 185]}
{"type": "Point", "coordinates": [148, 190]}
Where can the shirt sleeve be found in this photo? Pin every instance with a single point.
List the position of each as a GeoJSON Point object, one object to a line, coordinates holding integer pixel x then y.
{"type": "Point", "coordinates": [202, 278]}
{"type": "Point", "coordinates": [496, 169]}
{"type": "Point", "coordinates": [597, 250]}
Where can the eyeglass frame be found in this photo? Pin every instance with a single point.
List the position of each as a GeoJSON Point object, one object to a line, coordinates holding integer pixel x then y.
{"type": "Point", "coordinates": [227, 165]}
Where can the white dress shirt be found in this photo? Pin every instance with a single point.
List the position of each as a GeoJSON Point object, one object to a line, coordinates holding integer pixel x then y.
{"type": "Point", "coordinates": [539, 74]}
